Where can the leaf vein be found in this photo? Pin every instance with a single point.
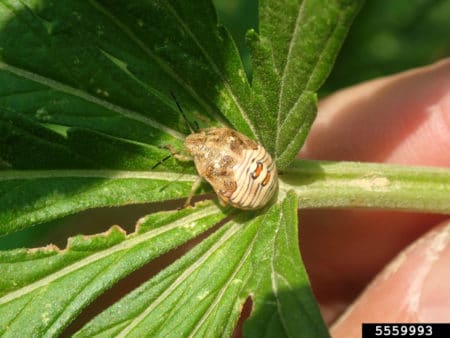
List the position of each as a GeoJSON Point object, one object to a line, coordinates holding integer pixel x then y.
{"type": "Point", "coordinates": [219, 296]}
{"type": "Point", "coordinates": [16, 315]}
{"type": "Point", "coordinates": [274, 273]}
{"type": "Point", "coordinates": [311, 76]}
{"type": "Point", "coordinates": [164, 66]}
{"type": "Point", "coordinates": [68, 301]}
{"type": "Point", "coordinates": [216, 70]}
{"type": "Point", "coordinates": [58, 86]}
{"type": "Point", "coordinates": [124, 245]}
{"type": "Point", "coordinates": [191, 269]}
{"type": "Point", "coordinates": [8, 175]}
{"type": "Point", "coordinates": [284, 73]}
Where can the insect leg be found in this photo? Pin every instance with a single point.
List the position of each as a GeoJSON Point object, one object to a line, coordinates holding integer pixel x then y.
{"type": "Point", "coordinates": [177, 155]}
{"type": "Point", "coordinates": [194, 188]}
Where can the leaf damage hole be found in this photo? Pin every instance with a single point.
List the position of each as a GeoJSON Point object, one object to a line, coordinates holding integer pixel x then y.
{"type": "Point", "coordinates": [134, 280]}
{"type": "Point", "coordinates": [55, 234]}
{"type": "Point", "coordinates": [246, 310]}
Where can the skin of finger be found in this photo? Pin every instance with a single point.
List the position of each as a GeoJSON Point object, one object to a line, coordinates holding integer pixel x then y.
{"type": "Point", "coordinates": [403, 119]}
{"type": "Point", "coordinates": [397, 294]}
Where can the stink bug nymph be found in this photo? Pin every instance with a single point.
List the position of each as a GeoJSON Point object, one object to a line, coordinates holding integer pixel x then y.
{"type": "Point", "coordinates": [241, 171]}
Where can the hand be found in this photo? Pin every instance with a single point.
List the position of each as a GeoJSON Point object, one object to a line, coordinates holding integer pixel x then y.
{"type": "Point", "coordinates": [403, 119]}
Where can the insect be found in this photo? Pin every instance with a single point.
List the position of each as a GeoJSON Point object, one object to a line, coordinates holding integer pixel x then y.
{"type": "Point", "coordinates": [241, 171]}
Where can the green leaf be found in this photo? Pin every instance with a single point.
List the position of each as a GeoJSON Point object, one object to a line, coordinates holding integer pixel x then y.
{"type": "Point", "coordinates": [76, 171]}
{"type": "Point", "coordinates": [123, 60]}
{"type": "Point", "coordinates": [170, 306]}
{"type": "Point", "coordinates": [34, 196]}
{"type": "Point", "coordinates": [256, 257]}
{"type": "Point", "coordinates": [84, 111]}
{"type": "Point", "coordinates": [102, 101]}
{"type": "Point", "coordinates": [292, 57]}
{"type": "Point", "coordinates": [42, 290]}
{"type": "Point", "coordinates": [284, 305]}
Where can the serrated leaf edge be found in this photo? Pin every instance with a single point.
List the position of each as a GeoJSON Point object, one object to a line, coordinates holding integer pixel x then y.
{"type": "Point", "coordinates": [129, 242]}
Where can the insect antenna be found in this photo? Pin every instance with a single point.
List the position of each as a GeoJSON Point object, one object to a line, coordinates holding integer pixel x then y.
{"type": "Point", "coordinates": [193, 127]}
{"type": "Point", "coordinates": [161, 161]}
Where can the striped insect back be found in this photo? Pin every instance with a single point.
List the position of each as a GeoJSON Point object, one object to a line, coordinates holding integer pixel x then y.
{"type": "Point", "coordinates": [241, 172]}
{"type": "Point", "coordinates": [256, 179]}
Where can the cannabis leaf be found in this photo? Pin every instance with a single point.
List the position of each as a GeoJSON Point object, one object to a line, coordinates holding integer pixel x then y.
{"type": "Point", "coordinates": [292, 56]}
{"type": "Point", "coordinates": [83, 169]}
{"type": "Point", "coordinates": [42, 290]}
{"type": "Point", "coordinates": [85, 112]}
{"type": "Point", "coordinates": [243, 257]}
{"type": "Point", "coordinates": [107, 94]}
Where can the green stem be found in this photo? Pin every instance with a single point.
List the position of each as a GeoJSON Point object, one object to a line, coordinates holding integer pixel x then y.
{"type": "Point", "coordinates": [320, 184]}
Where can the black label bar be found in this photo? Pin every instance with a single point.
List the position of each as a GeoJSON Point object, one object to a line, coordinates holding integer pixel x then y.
{"type": "Point", "coordinates": [406, 330]}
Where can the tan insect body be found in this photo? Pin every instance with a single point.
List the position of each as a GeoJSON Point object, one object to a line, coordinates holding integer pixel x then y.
{"type": "Point", "coordinates": [241, 172]}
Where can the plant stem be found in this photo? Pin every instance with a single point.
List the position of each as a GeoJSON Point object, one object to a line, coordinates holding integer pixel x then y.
{"type": "Point", "coordinates": [320, 184]}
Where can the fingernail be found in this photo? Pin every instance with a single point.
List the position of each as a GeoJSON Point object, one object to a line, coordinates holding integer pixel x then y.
{"type": "Point", "coordinates": [434, 301]}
